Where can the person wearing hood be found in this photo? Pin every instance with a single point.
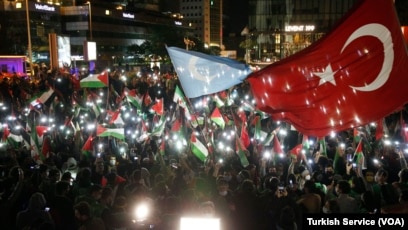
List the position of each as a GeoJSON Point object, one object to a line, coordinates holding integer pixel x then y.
{"type": "Point", "coordinates": [36, 215]}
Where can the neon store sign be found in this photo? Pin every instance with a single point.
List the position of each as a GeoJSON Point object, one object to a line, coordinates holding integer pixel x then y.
{"type": "Point", "coordinates": [299, 28]}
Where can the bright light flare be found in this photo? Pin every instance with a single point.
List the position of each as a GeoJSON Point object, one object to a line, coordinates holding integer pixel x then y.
{"type": "Point", "coordinates": [141, 212]}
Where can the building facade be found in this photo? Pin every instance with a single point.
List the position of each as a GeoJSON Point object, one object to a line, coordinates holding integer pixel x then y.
{"type": "Point", "coordinates": [112, 26]}
{"type": "Point", "coordinates": [205, 17]}
{"type": "Point", "coordinates": [280, 28]}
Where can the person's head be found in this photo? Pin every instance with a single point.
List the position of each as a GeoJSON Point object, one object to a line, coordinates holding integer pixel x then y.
{"type": "Point", "coordinates": [331, 206]}
{"type": "Point", "coordinates": [247, 186]}
{"type": "Point", "coordinates": [82, 211]}
{"type": "Point", "coordinates": [243, 175]}
{"type": "Point", "coordinates": [381, 176]}
{"type": "Point", "coordinates": [37, 201]}
{"type": "Point", "coordinates": [369, 176]}
{"type": "Point", "coordinates": [403, 196]}
{"type": "Point", "coordinates": [222, 186]}
{"type": "Point", "coordinates": [309, 186]}
{"type": "Point", "coordinates": [357, 184]}
{"type": "Point", "coordinates": [343, 187]}
{"type": "Point", "coordinates": [329, 170]}
{"type": "Point", "coordinates": [107, 195]}
{"type": "Point", "coordinates": [403, 175]}
{"type": "Point", "coordinates": [99, 165]}
{"type": "Point", "coordinates": [95, 191]}
{"type": "Point", "coordinates": [62, 188]}
{"type": "Point", "coordinates": [112, 161]}
{"type": "Point", "coordinates": [207, 208]}
{"type": "Point", "coordinates": [54, 175]}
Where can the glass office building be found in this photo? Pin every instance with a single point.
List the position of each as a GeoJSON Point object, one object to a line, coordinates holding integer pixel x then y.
{"type": "Point", "coordinates": [280, 28]}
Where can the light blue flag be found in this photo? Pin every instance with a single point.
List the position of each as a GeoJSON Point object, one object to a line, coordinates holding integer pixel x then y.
{"type": "Point", "coordinates": [201, 74]}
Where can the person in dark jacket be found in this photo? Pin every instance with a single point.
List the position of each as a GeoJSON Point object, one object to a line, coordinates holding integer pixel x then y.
{"type": "Point", "coordinates": [36, 215]}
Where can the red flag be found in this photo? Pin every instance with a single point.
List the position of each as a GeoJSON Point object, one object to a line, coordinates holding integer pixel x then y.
{"type": "Point", "coordinates": [88, 144]}
{"type": "Point", "coordinates": [41, 130]}
{"type": "Point", "coordinates": [332, 84]}
{"type": "Point", "coordinates": [245, 136]}
{"type": "Point", "coordinates": [46, 147]}
{"type": "Point", "coordinates": [158, 106]}
{"type": "Point", "coordinates": [277, 148]}
{"type": "Point", "coordinates": [6, 132]}
{"type": "Point", "coordinates": [379, 131]}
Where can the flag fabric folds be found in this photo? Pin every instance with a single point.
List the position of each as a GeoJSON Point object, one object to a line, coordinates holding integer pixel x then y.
{"type": "Point", "coordinates": [95, 80]}
{"type": "Point", "coordinates": [202, 74]}
{"type": "Point", "coordinates": [198, 148]}
{"type": "Point", "coordinates": [108, 132]}
{"type": "Point", "coordinates": [331, 85]}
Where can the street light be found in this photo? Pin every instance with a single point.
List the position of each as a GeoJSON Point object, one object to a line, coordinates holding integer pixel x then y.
{"type": "Point", "coordinates": [90, 19]}
{"type": "Point", "coordinates": [30, 52]}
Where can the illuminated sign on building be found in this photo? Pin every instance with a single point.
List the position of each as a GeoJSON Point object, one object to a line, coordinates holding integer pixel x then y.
{"type": "Point", "coordinates": [128, 15]}
{"type": "Point", "coordinates": [300, 28]}
{"type": "Point", "coordinates": [178, 23]}
{"type": "Point", "coordinates": [44, 7]}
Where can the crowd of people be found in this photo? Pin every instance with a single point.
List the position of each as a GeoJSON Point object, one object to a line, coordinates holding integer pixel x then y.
{"type": "Point", "coordinates": [67, 190]}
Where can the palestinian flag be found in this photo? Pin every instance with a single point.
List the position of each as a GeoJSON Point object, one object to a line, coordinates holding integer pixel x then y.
{"type": "Point", "coordinates": [158, 106]}
{"type": "Point", "coordinates": [357, 135]}
{"type": "Point", "coordinates": [108, 132]}
{"type": "Point", "coordinates": [244, 135]}
{"type": "Point", "coordinates": [176, 128]}
{"type": "Point", "coordinates": [96, 109]}
{"type": "Point", "coordinates": [322, 146]}
{"type": "Point", "coordinates": [95, 80]}
{"type": "Point", "coordinates": [6, 132]}
{"type": "Point", "coordinates": [257, 124]}
{"type": "Point", "coordinates": [34, 143]}
{"type": "Point", "coordinates": [198, 148]}
{"type": "Point", "coordinates": [358, 157]}
{"type": "Point", "coordinates": [88, 147]}
{"type": "Point", "coordinates": [305, 144]}
{"type": "Point", "coordinates": [134, 99]}
{"type": "Point", "coordinates": [116, 118]}
{"type": "Point", "coordinates": [217, 118]}
{"type": "Point", "coordinates": [162, 148]}
{"type": "Point", "coordinates": [296, 152]}
{"type": "Point", "coordinates": [218, 102]}
{"type": "Point", "coordinates": [266, 138]}
{"type": "Point", "coordinates": [14, 140]}
{"type": "Point", "coordinates": [241, 152]}
{"type": "Point", "coordinates": [196, 120]}
{"type": "Point", "coordinates": [159, 127]}
{"type": "Point", "coordinates": [379, 130]}
{"type": "Point", "coordinates": [41, 98]}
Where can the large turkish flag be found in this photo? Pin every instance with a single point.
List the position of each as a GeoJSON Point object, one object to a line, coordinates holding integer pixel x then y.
{"type": "Point", "coordinates": [356, 74]}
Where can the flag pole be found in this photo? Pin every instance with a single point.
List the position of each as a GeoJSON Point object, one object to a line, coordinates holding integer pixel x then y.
{"type": "Point", "coordinates": [188, 105]}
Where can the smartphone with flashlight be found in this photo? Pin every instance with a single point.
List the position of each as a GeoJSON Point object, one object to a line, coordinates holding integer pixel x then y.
{"type": "Point", "coordinates": [349, 157]}
{"type": "Point", "coordinates": [290, 184]}
{"type": "Point", "coordinates": [281, 187]}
